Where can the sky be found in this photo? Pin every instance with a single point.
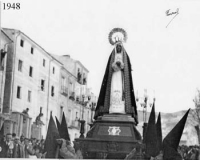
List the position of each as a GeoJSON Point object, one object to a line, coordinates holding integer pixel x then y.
{"type": "Point", "coordinates": [165, 57]}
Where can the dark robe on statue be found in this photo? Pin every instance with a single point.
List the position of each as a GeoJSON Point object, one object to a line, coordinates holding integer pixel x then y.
{"type": "Point", "coordinates": [103, 103]}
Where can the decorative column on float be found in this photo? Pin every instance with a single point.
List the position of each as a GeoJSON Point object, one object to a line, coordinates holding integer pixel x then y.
{"type": "Point", "coordinates": [143, 101]}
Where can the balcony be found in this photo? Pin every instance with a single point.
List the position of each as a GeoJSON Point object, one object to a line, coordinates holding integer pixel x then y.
{"type": "Point", "coordinates": [72, 96]}
{"type": "Point", "coordinates": [64, 91]}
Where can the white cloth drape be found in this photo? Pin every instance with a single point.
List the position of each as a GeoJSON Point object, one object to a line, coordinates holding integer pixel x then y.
{"type": "Point", "coordinates": [116, 103]}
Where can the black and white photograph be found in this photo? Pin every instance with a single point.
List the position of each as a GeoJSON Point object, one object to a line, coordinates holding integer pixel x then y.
{"type": "Point", "coordinates": [100, 79]}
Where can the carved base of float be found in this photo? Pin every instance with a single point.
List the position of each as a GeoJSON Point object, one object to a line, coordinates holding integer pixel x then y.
{"type": "Point", "coordinates": [112, 136]}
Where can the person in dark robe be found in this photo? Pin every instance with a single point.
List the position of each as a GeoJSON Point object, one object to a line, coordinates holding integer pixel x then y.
{"type": "Point", "coordinates": [103, 104]}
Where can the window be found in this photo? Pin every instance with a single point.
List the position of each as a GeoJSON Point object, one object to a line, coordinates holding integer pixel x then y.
{"type": "Point", "coordinates": [22, 43]}
{"type": "Point", "coordinates": [19, 92]}
{"type": "Point", "coordinates": [64, 85]}
{"type": "Point", "coordinates": [43, 62]}
{"type": "Point", "coordinates": [29, 96]}
{"type": "Point", "coordinates": [71, 87]}
{"type": "Point", "coordinates": [52, 91]}
{"type": "Point", "coordinates": [61, 112]}
{"type": "Point", "coordinates": [69, 116]}
{"type": "Point", "coordinates": [76, 116]}
{"type": "Point", "coordinates": [31, 71]}
{"type": "Point", "coordinates": [42, 84]}
{"type": "Point", "coordinates": [20, 65]}
{"type": "Point", "coordinates": [32, 50]}
{"type": "Point", "coordinates": [53, 70]}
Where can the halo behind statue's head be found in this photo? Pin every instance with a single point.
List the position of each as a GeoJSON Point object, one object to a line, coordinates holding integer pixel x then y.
{"type": "Point", "coordinates": [117, 35]}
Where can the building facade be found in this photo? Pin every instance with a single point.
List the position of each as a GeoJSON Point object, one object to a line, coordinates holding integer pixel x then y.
{"type": "Point", "coordinates": [36, 83]}
{"type": "Point", "coordinates": [79, 103]}
{"type": "Point", "coordinates": [5, 41]}
{"type": "Point", "coordinates": [31, 86]}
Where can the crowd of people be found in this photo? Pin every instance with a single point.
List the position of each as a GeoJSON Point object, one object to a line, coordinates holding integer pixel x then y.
{"type": "Point", "coordinates": [189, 152]}
{"type": "Point", "coordinates": [21, 147]}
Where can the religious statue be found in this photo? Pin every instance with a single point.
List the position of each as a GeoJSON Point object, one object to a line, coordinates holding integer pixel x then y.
{"type": "Point", "coordinates": [117, 103]}
{"type": "Point", "coordinates": [38, 120]}
{"type": "Point", "coordinates": [26, 111]}
{"type": "Point", "coordinates": [117, 93]}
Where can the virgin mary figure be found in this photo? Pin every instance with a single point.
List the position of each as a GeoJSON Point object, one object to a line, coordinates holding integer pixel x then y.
{"type": "Point", "coordinates": [117, 94]}
{"type": "Point", "coordinates": [117, 104]}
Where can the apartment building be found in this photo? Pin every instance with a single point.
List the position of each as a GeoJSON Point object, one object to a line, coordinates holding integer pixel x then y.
{"type": "Point", "coordinates": [31, 87]}
{"type": "Point", "coordinates": [36, 83]}
{"type": "Point", "coordinates": [80, 101]}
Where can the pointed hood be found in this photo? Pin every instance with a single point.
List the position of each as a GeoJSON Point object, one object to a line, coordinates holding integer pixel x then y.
{"type": "Point", "coordinates": [174, 136]}
{"type": "Point", "coordinates": [151, 135]}
{"type": "Point", "coordinates": [57, 123]}
{"type": "Point", "coordinates": [50, 145]}
{"type": "Point", "coordinates": [171, 141]}
{"type": "Point", "coordinates": [159, 132]}
{"type": "Point", "coordinates": [64, 129]}
{"type": "Point", "coordinates": [152, 117]}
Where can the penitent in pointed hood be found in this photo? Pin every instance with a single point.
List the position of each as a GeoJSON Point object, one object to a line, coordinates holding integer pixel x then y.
{"type": "Point", "coordinates": [159, 132]}
{"type": "Point", "coordinates": [174, 136]}
{"type": "Point", "coordinates": [64, 129]}
{"type": "Point", "coordinates": [50, 145]}
{"type": "Point", "coordinates": [171, 141]}
{"type": "Point", "coordinates": [151, 135]}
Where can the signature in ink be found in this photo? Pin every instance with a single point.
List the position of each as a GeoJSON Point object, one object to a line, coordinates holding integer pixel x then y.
{"type": "Point", "coordinates": [168, 13]}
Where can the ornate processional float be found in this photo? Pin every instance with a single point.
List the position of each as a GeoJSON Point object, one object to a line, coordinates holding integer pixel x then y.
{"type": "Point", "coordinates": [113, 134]}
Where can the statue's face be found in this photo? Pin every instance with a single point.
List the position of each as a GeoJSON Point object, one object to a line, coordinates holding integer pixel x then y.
{"type": "Point", "coordinates": [119, 48]}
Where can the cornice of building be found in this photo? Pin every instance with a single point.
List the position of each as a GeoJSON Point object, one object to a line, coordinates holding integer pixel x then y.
{"type": "Point", "coordinates": [39, 46]}
{"type": "Point", "coordinates": [77, 61]}
{"type": "Point", "coordinates": [10, 39]}
{"type": "Point", "coordinates": [63, 66]}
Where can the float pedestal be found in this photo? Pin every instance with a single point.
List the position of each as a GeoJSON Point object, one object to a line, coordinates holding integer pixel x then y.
{"type": "Point", "coordinates": [112, 136]}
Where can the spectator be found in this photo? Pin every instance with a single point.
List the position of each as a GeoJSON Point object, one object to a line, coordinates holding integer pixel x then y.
{"type": "Point", "coordinates": [3, 148]}
{"type": "Point", "coordinates": [13, 136]}
{"type": "Point", "coordinates": [22, 139]}
{"type": "Point", "coordinates": [18, 150]}
{"type": "Point", "coordinates": [28, 149]}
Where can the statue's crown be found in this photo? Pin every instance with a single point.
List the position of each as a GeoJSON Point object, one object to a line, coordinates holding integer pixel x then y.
{"type": "Point", "coordinates": [117, 35]}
